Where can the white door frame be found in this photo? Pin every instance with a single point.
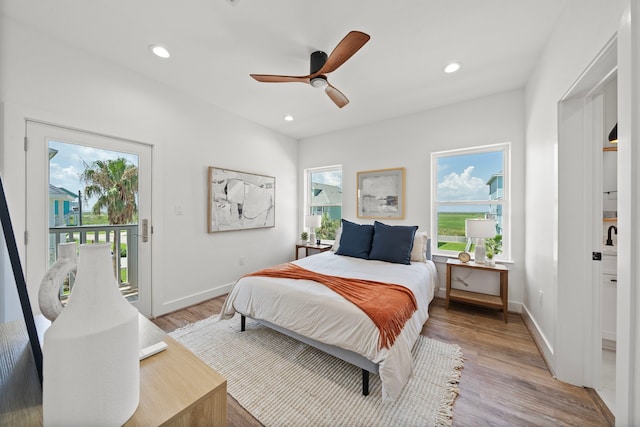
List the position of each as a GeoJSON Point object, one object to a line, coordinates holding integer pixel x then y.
{"type": "Point", "coordinates": [628, 298]}
{"type": "Point", "coordinates": [578, 327]}
{"type": "Point", "coordinates": [37, 169]}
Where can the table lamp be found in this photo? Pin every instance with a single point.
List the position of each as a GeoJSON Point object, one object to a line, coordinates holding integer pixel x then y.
{"type": "Point", "coordinates": [480, 229]}
{"type": "Point", "coordinates": [313, 222]}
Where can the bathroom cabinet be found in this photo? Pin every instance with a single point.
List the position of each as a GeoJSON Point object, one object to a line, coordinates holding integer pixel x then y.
{"type": "Point", "coordinates": [609, 295]}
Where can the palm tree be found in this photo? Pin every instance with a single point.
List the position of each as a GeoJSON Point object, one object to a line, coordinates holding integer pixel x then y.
{"type": "Point", "coordinates": [115, 183]}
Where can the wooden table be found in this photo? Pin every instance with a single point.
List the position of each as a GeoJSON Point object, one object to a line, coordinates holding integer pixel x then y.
{"type": "Point", "coordinates": [307, 246]}
{"type": "Point", "coordinates": [176, 388]}
{"type": "Point", "coordinates": [476, 298]}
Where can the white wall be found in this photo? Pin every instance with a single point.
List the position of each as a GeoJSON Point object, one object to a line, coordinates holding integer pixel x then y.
{"type": "Point", "coordinates": [581, 32]}
{"type": "Point", "coordinates": [409, 141]}
{"type": "Point", "coordinates": [46, 80]}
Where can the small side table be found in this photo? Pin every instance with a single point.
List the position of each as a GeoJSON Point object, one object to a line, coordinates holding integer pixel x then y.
{"type": "Point", "coordinates": [476, 298]}
{"type": "Point", "coordinates": [320, 248]}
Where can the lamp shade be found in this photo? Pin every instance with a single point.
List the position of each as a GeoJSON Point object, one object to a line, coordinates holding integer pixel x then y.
{"type": "Point", "coordinates": [312, 221]}
{"type": "Point", "coordinates": [483, 228]}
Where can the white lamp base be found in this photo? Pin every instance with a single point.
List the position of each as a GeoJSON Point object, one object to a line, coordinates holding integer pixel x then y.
{"type": "Point", "coordinates": [481, 251]}
{"type": "Point", "coordinates": [312, 238]}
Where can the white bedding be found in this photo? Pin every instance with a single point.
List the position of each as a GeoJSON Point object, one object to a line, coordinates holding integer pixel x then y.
{"type": "Point", "coordinates": [313, 310]}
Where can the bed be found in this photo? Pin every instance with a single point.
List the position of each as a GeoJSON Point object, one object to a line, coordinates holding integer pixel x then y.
{"type": "Point", "coordinates": [312, 313]}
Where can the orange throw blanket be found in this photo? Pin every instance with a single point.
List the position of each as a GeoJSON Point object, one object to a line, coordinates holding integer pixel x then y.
{"type": "Point", "coordinates": [388, 305]}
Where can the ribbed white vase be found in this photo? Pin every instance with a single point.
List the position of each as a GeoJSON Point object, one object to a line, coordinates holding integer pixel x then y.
{"type": "Point", "coordinates": [91, 368]}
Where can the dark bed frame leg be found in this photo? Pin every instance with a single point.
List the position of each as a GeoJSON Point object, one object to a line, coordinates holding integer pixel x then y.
{"type": "Point", "coordinates": [243, 323]}
{"type": "Point", "coordinates": [365, 382]}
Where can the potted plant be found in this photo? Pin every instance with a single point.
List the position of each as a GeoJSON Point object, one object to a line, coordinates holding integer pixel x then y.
{"type": "Point", "coordinates": [303, 237]}
{"type": "Point", "coordinates": [494, 247]}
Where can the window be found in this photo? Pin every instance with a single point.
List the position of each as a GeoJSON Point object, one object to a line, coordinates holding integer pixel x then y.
{"type": "Point", "coordinates": [324, 197]}
{"type": "Point", "coordinates": [469, 183]}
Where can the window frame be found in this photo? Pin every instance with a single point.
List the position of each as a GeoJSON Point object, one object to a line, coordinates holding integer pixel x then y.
{"type": "Point", "coordinates": [505, 202]}
{"type": "Point", "coordinates": [308, 205]}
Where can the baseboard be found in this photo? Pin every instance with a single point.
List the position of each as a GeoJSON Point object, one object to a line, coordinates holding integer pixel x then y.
{"type": "Point", "coordinates": [514, 307]}
{"type": "Point", "coordinates": [189, 300]}
{"type": "Point", "coordinates": [546, 350]}
{"type": "Point", "coordinates": [441, 293]}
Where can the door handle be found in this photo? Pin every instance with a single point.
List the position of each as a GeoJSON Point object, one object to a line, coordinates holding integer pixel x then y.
{"type": "Point", "coordinates": [145, 230]}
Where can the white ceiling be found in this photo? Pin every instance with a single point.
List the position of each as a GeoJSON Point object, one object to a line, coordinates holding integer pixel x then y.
{"type": "Point", "coordinates": [216, 45]}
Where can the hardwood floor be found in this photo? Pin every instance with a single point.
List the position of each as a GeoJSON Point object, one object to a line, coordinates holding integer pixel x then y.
{"type": "Point", "coordinates": [505, 381]}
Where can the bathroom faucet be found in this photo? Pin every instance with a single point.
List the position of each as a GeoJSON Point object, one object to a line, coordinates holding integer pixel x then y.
{"type": "Point", "coordinates": [609, 241]}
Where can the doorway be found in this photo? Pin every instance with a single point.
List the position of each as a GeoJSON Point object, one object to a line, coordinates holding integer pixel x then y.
{"type": "Point", "coordinates": [64, 202]}
{"type": "Point", "coordinates": [585, 119]}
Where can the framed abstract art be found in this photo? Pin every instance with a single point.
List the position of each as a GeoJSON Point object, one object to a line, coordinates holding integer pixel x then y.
{"type": "Point", "coordinates": [381, 194]}
{"type": "Point", "coordinates": [240, 200]}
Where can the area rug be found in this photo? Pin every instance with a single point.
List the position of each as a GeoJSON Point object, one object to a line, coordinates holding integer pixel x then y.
{"type": "Point", "coordinates": [283, 382]}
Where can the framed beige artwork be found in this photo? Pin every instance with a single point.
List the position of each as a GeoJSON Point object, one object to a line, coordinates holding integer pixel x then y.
{"type": "Point", "coordinates": [381, 194]}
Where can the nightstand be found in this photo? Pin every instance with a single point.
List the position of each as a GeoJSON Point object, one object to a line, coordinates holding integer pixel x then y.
{"type": "Point", "coordinates": [477, 298]}
{"type": "Point", "coordinates": [319, 248]}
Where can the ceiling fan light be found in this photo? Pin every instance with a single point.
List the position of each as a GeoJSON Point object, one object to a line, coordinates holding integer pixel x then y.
{"type": "Point", "coordinates": [319, 82]}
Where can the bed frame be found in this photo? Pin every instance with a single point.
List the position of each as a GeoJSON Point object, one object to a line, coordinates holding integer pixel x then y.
{"type": "Point", "coordinates": [348, 356]}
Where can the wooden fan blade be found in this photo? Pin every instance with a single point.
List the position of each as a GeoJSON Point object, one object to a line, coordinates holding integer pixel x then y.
{"type": "Point", "coordinates": [336, 96]}
{"type": "Point", "coordinates": [268, 78]}
{"type": "Point", "coordinates": [348, 46]}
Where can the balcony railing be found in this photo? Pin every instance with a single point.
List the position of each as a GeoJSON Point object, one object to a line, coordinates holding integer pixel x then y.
{"type": "Point", "coordinates": [124, 250]}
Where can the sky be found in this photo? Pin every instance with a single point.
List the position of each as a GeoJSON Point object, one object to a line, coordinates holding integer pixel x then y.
{"type": "Point", "coordinates": [465, 177]}
{"type": "Point", "coordinates": [67, 165]}
{"type": "Point", "coordinates": [333, 177]}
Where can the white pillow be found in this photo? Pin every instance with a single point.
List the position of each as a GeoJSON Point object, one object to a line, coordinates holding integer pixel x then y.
{"type": "Point", "coordinates": [419, 250]}
{"type": "Point", "coordinates": [336, 243]}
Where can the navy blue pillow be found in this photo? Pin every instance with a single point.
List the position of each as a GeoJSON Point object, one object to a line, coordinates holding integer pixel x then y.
{"type": "Point", "coordinates": [355, 240]}
{"type": "Point", "coordinates": [392, 243]}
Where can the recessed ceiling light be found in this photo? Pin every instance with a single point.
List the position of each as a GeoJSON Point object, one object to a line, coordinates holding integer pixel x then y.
{"type": "Point", "coordinates": [159, 51]}
{"type": "Point", "coordinates": [452, 67]}
{"type": "Point", "coordinates": [288, 118]}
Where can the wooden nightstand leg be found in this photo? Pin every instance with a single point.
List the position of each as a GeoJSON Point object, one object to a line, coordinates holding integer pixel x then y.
{"type": "Point", "coordinates": [448, 291]}
{"type": "Point", "coordinates": [504, 292]}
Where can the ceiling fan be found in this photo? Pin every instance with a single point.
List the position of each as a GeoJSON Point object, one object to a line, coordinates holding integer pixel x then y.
{"type": "Point", "coordinates": [321, 65]}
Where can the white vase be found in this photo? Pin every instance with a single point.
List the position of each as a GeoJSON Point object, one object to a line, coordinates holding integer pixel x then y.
{"type": "Point", "coordinates": [49, 293]}
{"type": "Point", "coordinates": [91, 368]}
